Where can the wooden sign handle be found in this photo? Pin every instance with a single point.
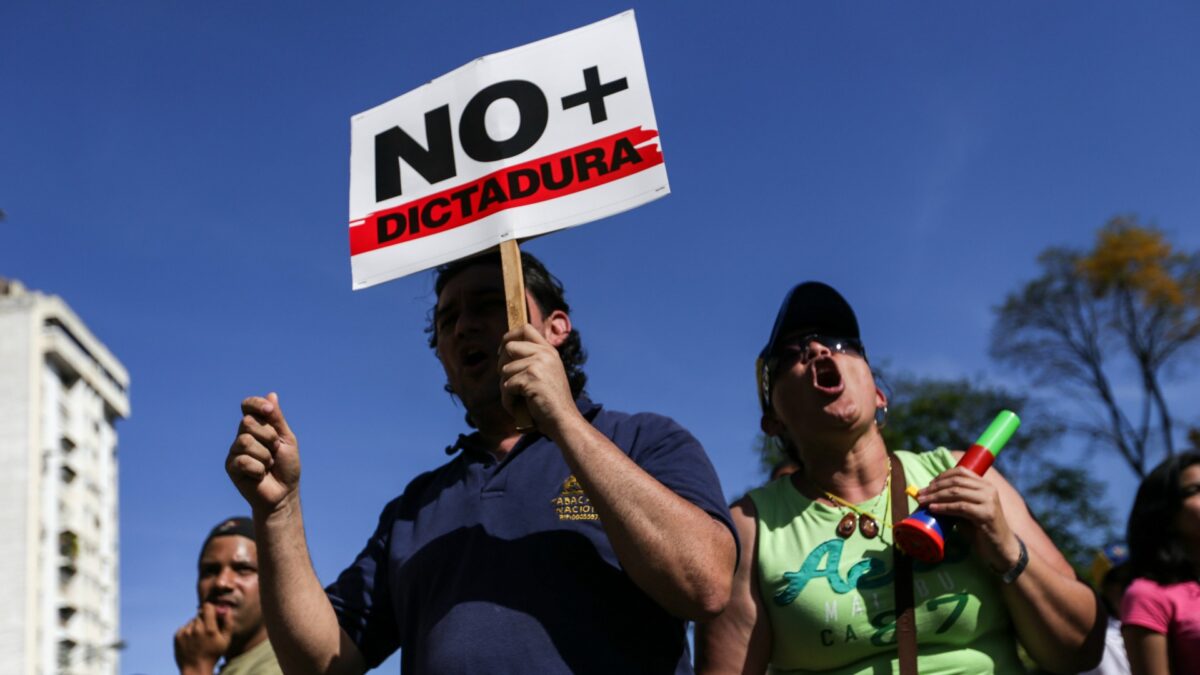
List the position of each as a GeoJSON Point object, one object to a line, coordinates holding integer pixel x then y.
{"type": "Point", "coordinates": [514, 295]}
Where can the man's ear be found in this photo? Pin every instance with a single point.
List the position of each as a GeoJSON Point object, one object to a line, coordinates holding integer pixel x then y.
{"type": "Point", "coordinates": [556, 327]}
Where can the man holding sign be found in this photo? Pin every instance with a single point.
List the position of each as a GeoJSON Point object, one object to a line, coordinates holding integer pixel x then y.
{"type": "Point", "coordinates": [581, 547]}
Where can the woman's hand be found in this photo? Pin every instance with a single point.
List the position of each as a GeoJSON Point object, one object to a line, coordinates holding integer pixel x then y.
{"type": "Point", "coordinates": [959, 493]}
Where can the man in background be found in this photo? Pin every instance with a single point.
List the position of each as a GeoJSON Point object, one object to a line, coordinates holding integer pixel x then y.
{"type": "Point", "coordinates": [229, 624]}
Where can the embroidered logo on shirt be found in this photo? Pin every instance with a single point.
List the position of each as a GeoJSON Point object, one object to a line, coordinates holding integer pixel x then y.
{"type": "Point", "coordinates": [571, 502]}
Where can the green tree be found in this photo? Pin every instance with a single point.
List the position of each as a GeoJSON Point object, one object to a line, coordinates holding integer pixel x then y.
{"type": "Point", "coordinates": [1132, 299]}
{"type": "Point", "coordinates": [1064, 500]}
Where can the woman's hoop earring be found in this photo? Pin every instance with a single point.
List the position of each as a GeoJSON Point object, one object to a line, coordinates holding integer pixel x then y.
{"type": "Point", "coordinates": [881, 416]}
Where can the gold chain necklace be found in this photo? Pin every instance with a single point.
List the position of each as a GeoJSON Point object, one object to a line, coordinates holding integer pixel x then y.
{"type": "Point", "coordinates": [868, 522]}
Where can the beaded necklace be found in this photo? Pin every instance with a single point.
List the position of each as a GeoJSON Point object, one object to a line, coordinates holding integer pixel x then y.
{"type": "Point", "coordinates": [868, 522]}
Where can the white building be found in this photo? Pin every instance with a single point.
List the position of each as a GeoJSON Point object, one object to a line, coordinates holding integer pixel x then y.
{"type": "Point", "coordinates": [61, 393]}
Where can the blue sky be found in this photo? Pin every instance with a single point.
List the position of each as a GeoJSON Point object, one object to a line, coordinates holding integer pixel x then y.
{"type": "Point", "coordinates": [178, 173]}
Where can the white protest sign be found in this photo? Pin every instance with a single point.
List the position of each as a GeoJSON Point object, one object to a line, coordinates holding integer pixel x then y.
{"type": "Point", "coordinates": [550, 135]}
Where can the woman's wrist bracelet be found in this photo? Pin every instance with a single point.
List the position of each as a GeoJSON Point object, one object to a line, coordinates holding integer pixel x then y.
{"type": "Point", "coordinates": [1022, 560]}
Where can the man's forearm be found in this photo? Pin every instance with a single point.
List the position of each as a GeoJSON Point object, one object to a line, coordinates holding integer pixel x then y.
{"type": "Point", "coordinates": [301, 623]}
{"type": "Point", "coordinates": [673, 550]}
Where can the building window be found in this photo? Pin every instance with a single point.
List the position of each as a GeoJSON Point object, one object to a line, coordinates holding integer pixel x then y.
{"type": "Point", "coordinates": [68, 544]}
{"type": "Point", "coordinates": [66, 572]}
{"type": "Point", "coordinates": [65, 647]}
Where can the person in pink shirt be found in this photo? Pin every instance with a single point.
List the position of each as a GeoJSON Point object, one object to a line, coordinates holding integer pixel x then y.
{"type": "Point", "coordinates": [1161, 610]}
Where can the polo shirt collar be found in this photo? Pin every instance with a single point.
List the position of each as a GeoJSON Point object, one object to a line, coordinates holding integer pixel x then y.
{"type": "Point", "coordinates": [473, 448]}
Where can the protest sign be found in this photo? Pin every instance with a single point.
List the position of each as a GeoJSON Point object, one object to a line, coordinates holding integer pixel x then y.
{"type": "Point", "coordinates": [517, 144]}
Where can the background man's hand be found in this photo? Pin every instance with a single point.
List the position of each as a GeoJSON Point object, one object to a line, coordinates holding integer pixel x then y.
{"type": "Point", "coordinates": [264, 460]}
{"type": "Point", "coordinates": [202, 641]}
{"type": "Point", "coordinates": [530, 367]}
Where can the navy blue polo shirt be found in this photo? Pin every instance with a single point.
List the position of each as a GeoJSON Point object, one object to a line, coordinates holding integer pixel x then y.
{"type": "Point", "coordinates": [504, 567]}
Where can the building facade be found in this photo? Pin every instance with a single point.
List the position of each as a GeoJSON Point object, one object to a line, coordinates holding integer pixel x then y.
{"type": "Point", "coordinates": [61, 394]}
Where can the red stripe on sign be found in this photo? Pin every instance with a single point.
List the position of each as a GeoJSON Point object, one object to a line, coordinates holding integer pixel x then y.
{"type": "Point", "coordinates": [580, 168]}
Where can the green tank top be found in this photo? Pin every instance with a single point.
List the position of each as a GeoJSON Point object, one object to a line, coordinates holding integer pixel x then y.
{"type": "Point", "coordinates": [831, 602]}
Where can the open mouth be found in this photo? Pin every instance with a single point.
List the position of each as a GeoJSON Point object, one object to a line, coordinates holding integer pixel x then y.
{"type": "Point", "coordinates": [474, 357]}
{"type": "Point", "coordinates": [826, 377]}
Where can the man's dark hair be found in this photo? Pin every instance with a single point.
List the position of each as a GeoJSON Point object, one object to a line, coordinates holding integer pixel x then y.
{"type": "Point", "coordinates": [546, 290]}
{"type": "Point", "coordinates": [1155, 549]}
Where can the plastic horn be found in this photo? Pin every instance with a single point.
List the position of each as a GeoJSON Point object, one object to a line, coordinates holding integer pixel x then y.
{"type": "Point", "coordinates": [920, 535]}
